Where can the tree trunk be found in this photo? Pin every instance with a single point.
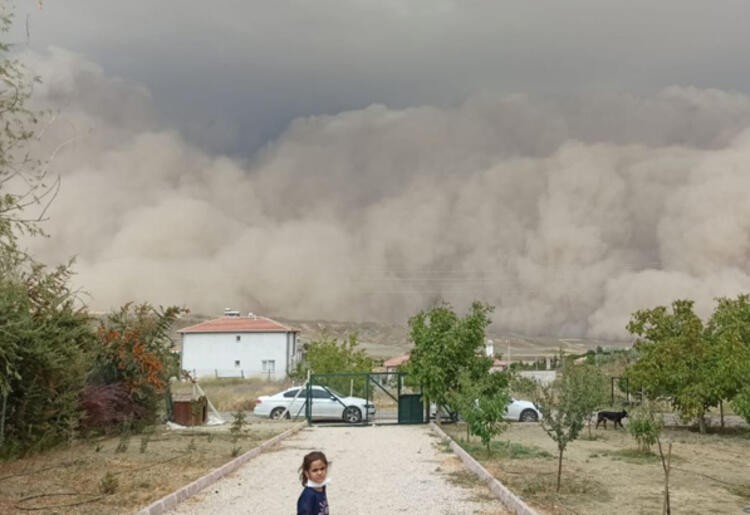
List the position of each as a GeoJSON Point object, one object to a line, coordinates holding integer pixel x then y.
{"type": "Point", "coordinates": [559, 469]}
{"type": "Point", "coordinates": [702, 423]}
{"type": "Point", "coordinates": [721, 413]}
{"type": "Point", "coordinates": [666, 465]}
{"type": "Point", "coordinates": [2, 418]}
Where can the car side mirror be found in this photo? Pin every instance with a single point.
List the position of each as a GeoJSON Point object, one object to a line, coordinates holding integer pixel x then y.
{"type": "Point", "coordinates": [333, 397]}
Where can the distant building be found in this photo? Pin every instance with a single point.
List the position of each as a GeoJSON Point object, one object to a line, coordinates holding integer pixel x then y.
{"type": "Point", "coordinates": [498, 365]}
{"type": "Point", "coordinates": [239, 346]}
{"type": "Point", "coordinates": [394, 364]}
{"type": "Point", "coordinates": [543, 377]}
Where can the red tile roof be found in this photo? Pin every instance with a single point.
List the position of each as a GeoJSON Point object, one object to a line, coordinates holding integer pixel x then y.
{"type": "Point", "coordinates": [234, 324]}
{"type": "Point", "coordinates": [400, 360]}
{"type": "Point", "coordinates": [397, 361]}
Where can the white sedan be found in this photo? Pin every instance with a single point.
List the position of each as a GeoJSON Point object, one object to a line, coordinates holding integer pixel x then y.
{"type": "Point", "coordinates": [521, 411]}
{"type": "Point", "coordinates": [326, 404]}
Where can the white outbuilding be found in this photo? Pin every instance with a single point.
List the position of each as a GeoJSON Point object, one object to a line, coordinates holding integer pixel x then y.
{"type": "Point", "coordinates": [239, 346]}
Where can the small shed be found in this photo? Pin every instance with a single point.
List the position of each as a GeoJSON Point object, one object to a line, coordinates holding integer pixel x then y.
{"type": "Point", "coordinates": [188, 410]}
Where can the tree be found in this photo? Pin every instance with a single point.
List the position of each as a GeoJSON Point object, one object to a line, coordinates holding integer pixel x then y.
{"type": "Point", "coordinates": [46, 344]}
{"type": "Point", "coordinates": [675, 360]}
{"type": "Point", "coordinates": [23, 179]}
{"type": "Point", "coordinates": [594, 385]}
{"type": "Point", "coordinates": [645, 425]}
{"type": "Point", "coordinates": [728, 330]}
{"type": "Point", "coordinates": [135, 354]}
{"type": "Point", "coordinates": [524, 387]}
{"type": "Point", "coordinates": [328, 356]}
{"type": "Point", "coordinates": [482, 404]}
{"type": "Point", "coordinates": [46, 338]}
{"type": "Point", "coordinates": [445, 346]}
{"type": "Point", "coordinates": [567, 403]}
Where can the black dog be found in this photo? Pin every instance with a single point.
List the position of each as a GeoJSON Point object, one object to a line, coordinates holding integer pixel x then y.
{"type": "Point", "coordinates": [614, 416]}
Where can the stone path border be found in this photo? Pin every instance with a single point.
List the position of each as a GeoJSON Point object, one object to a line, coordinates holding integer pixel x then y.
{"type": "Point", "coordinates": [170, 501]}
{"type": "Point", "coordinates": [508, 498]}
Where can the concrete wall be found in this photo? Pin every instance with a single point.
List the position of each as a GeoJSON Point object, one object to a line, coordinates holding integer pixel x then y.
{"type": "Point", "coordinates": [544, 377]}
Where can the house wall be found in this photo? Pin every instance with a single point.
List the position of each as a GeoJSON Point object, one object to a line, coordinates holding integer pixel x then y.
{"type": "Point", "coordinates": [221, 355]}
{"type": "Point", "coordinates": [544, 377]}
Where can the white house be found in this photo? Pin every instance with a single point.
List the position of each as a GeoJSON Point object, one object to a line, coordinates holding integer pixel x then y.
{"type": "Point", "coordinates": [239, 346]}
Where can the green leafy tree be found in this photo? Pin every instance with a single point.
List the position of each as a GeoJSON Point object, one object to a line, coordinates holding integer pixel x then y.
{"type": "Point", "coordinates": [18, 181]}
{"type": "Point", "coordinates": [741, 403]}
{"type": "Point", "coordinates": [728, 330]}
{"type": "Point", "coordinates": [45, 337]}
{"type": "Point", "coordinates": [482, 404]}
{"type": "Point", "coordinates": [675, 360]}
{"type": "Point", "coordinates": [445, 346]}
{"type": "Point", "coordinates": [329, 356]}
{"type": "Point", "coordinates": [46, 344]}
{"type": "Point", "coordinates": [645, 425]}
{"type": "Point", "coordinates": [566, 404]}
{"type": "Point", "coordinates": [523, 387]}
{"type": "Point", "coordinates": [594, 387]}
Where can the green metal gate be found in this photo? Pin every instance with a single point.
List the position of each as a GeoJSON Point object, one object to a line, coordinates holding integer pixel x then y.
{"type": "Point", "coordinates": [364, 398]}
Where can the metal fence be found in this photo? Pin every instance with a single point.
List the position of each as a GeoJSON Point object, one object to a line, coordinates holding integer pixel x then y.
{"type": "Point", "coordinates": [219, 373]}
{"type": "Point", "coordinates": [390, 395]}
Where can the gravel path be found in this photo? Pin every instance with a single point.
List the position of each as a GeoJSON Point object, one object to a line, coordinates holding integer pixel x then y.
{"type": "Point", "coordinates": [374, 469]}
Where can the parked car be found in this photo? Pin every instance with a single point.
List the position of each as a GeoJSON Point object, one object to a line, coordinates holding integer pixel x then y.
{"type": "Point", "coordinates": [518, 410]}
{"type": "Point", "coordinates": [523, 411]}
{"type": "Point", "coordinates": [326, 404]}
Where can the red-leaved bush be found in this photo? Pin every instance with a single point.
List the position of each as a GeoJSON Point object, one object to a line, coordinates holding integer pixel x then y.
{"type": "Point", "coordinates": [108, 406]}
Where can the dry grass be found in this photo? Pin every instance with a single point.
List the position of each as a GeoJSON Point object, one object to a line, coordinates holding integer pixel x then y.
{"type": "Point", "coordinates": [122, 474]}
{"type": "Point", "coordinates": [233, 394]}
{"type": "Point", "coordinates": [603, 475]}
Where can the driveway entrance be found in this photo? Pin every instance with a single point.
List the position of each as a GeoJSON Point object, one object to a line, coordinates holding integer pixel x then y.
{"type": "Point", "coordinates": [395, 400]}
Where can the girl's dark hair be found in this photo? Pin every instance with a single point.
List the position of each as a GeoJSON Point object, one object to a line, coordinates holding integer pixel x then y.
{"type": "Point", "coordinates": [307, 462]}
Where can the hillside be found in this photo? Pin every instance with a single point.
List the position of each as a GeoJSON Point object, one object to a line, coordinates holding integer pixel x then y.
{"type": "Point", "coordinates": [383, 341]}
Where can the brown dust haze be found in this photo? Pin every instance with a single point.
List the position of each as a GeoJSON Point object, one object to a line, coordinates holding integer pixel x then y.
{"type": "Point", "coordinates": [567, 214]}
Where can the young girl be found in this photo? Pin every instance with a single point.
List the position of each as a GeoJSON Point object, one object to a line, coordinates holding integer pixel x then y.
{"type": "Point", "coordinates": [312, 474]}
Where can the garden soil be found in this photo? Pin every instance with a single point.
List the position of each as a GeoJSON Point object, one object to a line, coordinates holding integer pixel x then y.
{"type": "Point", "coordinates": [605, 474]}
{"type": "Point", "coordinates": [709, 474]}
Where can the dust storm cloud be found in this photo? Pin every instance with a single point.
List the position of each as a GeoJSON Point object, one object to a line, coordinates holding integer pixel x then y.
{"type": "Point", "coordinates": [566, 213]}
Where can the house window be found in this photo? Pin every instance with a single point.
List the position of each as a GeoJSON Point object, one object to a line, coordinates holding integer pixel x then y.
{"type": "Point", "coordinates": [237, 338]}
{"type": "Point", "coordinates": [269, 366]}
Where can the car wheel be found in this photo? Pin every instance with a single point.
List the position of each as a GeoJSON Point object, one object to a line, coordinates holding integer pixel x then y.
{"type": "Point", "coordinates": [277, 413]}
{"type": "Point", "coordinates": [352, 414]}
{"type": "Point", "coordinates": [529, 415]}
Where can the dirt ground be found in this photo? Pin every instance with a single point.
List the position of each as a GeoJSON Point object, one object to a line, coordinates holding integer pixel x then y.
{"type": "Point", "coordinates": [122, 475]}
{"type": "Point", "coordinates": [606, 474]}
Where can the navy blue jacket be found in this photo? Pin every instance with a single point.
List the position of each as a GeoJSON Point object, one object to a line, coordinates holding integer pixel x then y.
{"type": "Point", "coordinates": [312, 502]}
